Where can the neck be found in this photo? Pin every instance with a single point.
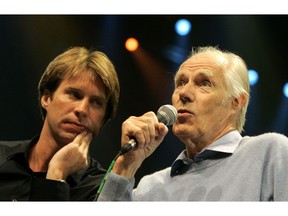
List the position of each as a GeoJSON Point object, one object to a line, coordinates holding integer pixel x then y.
{"type": "Point", "coordinates": [197, 145]}
{"type": "Point", "coordinates": [41, 154]}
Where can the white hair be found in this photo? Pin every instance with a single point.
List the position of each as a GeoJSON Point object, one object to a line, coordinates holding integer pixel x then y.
{"type": "Point", "coordinates": [236, 77]}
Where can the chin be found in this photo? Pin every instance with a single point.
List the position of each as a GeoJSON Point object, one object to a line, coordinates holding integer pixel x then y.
{"type": "Point", "coordinates": [67, 138]}
{"type": "Point", "coordinates": [180, 132]}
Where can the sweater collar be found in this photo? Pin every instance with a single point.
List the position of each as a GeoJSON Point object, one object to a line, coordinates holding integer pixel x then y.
{"type": "Point", "coordinates": [221, 148]}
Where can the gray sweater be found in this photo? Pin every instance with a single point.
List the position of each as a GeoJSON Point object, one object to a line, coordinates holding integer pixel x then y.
{"type": "Point", "coordinates": [256, 171]}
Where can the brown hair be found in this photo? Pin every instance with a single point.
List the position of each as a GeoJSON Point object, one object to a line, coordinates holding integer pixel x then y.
{"type": "Point", "coordinates": [71, 63]}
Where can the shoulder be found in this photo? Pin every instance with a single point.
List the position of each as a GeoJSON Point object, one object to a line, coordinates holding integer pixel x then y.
{"type": "Point", "coordinates": [273, 144]}
{"type": "Point", "coordinates": [12, 145]}
{"type": "Point", "coordinates": [9, 148]}
{"type": "Point", "coordinates": [266, 139]}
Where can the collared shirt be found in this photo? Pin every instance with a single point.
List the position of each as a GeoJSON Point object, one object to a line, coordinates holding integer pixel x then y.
{"type": "Point", "coordinates": [19, 182]}
{"type": "Point", "coordinates": [223, 147]}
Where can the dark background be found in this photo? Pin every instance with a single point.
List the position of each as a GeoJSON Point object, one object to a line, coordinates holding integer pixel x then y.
{"type": "Point", "coordinates": [29, 42]}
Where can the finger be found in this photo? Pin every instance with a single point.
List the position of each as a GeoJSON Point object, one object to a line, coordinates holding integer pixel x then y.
{"type": "Point", "coordinates": [132, 129]}
{"type": "Point", "coordinates": [142, 128]}
{"type": "Point", "coordinates": [148, 129]}
{"type": "Point", "coordinates": [86, 141]}
{"type": "Point", "coordinates": [78, 139]}
{"type": "Point", "coordinates": [162, 131]}
{"type": "Point", "coordinates": [152, 121]}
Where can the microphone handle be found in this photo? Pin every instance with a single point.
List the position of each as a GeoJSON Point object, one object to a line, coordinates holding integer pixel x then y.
{"type": "Point", "coordinates": [167, 114]}
{"type": "Point", "coordinates": [131, 144]}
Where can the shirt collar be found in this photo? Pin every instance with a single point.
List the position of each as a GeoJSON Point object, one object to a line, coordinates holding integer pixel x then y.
{"type": "Point", "coordinates": [13, 148]}
{"type": "Point", "coordinates": [227, 143]}
{"type": "Point", "coordinates": [223, 147]}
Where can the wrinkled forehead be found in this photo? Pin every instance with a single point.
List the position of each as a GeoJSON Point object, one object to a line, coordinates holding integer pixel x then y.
{"type": "Point", "coordinates": [205, 60]}
{"type": "Point", "coordinates": [205, 63]}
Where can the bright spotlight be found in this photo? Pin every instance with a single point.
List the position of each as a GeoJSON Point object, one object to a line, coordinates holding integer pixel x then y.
{"type": "Point", "coordinates": [182, 27]}
{"type": "Point", "coordinates": [131, 44]}
{"type": "Point", "coordinates": [253, 77]}
{"type": "Point", "coordinates": [285, 90]}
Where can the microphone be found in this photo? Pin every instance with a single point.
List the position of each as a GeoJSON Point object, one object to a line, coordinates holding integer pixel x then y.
{"type": "Point", "coordinates": [166, 114]}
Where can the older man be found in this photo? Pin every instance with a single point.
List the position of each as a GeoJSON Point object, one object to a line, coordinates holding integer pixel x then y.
{"type": "Point", "coordinates": [211, 97]}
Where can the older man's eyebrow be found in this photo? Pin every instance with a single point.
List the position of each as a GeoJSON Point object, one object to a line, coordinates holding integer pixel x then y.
{"type": "Point", "coordinates": [207, 74]}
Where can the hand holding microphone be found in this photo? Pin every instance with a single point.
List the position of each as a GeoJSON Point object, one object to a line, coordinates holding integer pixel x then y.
{"type": "Point", "coordinates": [166, 114]}
{"type": "Point", "coordinates": [145, 131]}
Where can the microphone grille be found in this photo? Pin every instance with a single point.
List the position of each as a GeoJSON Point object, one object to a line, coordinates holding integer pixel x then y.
{"type": "Point", "coordinates": [167, 114]}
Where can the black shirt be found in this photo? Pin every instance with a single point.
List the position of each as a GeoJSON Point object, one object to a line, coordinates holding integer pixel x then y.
{"type": "Point", "coordinates": [19, 183]}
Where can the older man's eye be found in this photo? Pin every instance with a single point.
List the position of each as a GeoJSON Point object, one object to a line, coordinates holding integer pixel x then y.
{"type": "Point", "coordinates": [206, 83]}
{"type": "Point", "coordinates": [180, 83]}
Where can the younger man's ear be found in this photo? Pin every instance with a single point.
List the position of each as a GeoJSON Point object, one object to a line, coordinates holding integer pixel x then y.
{"type": "Point", "coordinates": [45, 99]}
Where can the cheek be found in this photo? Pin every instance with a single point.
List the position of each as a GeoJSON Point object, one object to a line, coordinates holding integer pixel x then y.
{"type": "Point", "coordinates": [216, 111]}
{"type": "Point", "coordinates": [97, 121]}
{"type": "Point", "coordinates": [63, 108]}
{"type": "Point", "coordinates": [207, 106]}
{"type": "Point", "coordinates": [211, 110]}
{"type": "Point", "coordinates": [174, 97]}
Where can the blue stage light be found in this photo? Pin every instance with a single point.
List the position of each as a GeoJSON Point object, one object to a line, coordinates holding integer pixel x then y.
{"type": "Point", "coordinates": [182, 27]}
{"type": "Point", "coordinates": [285, 90]}
{"type": "Point", "coordinates": [253, 77]}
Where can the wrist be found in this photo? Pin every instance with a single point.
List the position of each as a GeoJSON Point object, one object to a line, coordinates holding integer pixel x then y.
{"type": "Point", "coordinates": [53, 175]}
{"type": "Point", "coordinates": [125, 169]}
{"type": "Point", "coordinates": [61, 180]}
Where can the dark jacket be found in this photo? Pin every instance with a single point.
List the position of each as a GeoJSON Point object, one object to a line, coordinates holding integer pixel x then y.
{"type": "Point", "coordinates": [19, 182]}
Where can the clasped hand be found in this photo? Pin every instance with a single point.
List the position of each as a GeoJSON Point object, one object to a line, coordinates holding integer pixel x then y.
{"type": "Point", "coordinates": [70, 158]}
{"type": "Point", "coordinates": [149, 134]}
